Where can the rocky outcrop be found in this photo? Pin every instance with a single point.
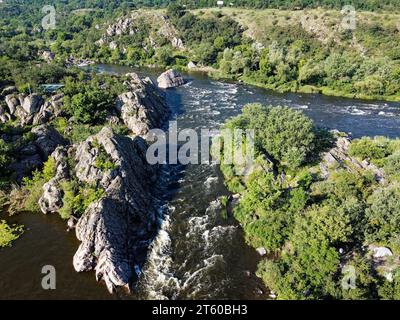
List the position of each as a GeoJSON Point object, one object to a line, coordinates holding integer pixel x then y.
{"type": "Point", "coordinates": [32, 109]}
{"type": "Point", "coordinates": [47, 55]}
{"type": "Point", "coordinates": [8, 90]}
{"type": "Point", "coordinates": [169, 79]}
{"type": "Point", "coordinates": [12, 103]}
{"type": "Point", "coordinates": [51, 199]}
{"type": "Point", "coordinates": [159, 26]}
{"type": "Point", "coordinates": [32, 103]}
{"type": "Point", "coordinates": [114, 230]}
{"type": "Point", "coordinates": [338, 157]}
{"type": "Point", "coordinates": [191, 65]}
{"type": "Point", "coordinates": [123, 26]}
{"type": "Point", "coordinates": [31, 156]}
{"type": "Point", "coordinates": [49, 110]}
{"type": "Point", "coordinates": [143, 107]}
{"type": "Point", "coordinates": [47, 140]}
{"type": "Point", "coordinates": [4, 115]}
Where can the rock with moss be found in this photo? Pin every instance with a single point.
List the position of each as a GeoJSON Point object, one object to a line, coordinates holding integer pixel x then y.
{"type": "Point", "coordinates": [338, 157]}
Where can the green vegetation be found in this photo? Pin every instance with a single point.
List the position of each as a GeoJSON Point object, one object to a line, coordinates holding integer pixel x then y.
{"type": "Point", "coordinates": [9, 233]}
{"type": "Point", "coordinates": [89, 101]}
{"type": "Point", "coordinates": [298, 50]}
{"type": "Point", "coordinates": [303, 220]}
{"type": "Point", "coordinates": [78, 198]}
{"type": "Point", "coordinates": [33, 187]}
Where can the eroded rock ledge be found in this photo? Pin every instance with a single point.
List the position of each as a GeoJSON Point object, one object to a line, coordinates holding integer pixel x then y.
{"type": "Point", "coordinates": [114, 228]}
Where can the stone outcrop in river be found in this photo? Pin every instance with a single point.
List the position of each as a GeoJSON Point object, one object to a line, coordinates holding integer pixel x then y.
{"type": "Point", "coordinates": [114, 229]}
{"type": "Point", "coordinates": [169, 79]}
{"type": "Point", "coordinates": [143, 107]}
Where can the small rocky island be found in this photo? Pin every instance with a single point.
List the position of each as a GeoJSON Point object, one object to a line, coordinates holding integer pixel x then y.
{"type": "Point", "coordinates": [170, 79]}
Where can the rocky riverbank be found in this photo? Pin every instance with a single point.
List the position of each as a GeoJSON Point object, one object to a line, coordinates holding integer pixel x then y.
{"type": "Point", "coordinates": [102, 185]}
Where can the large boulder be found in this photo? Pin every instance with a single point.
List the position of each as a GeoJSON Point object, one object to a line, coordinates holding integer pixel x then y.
{"type": "Point", "coordinates": [191, 65]}
{"type": "Point", "coordinates": [12, 103]}
{"type": "Point", "coordinates": [32, 103]}
{"type": "Point", "coordinates": [114, 231]}
{"type": "Point", "coordinates": [47, 140]}
{"type": "Point", "coordinates": [51, 199]}
{"type": "Point", "coordinates": [8, 90]}
{"type": "Point", "coordinates": [143, 107]}
{"type": "Point", "coordinates": [169, 79]}
{"type": "Point", "coordinates": [380, 252]}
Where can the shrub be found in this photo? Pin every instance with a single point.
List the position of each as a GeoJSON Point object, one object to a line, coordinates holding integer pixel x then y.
{"type": "Point", "coordinates": [78, 198]}
{"type": "Point", "coordinates": [383, 215]}
{"type": "Point", "coordinates": [9, 233]}
{"type": "Point", "coordinates": [377, 148]}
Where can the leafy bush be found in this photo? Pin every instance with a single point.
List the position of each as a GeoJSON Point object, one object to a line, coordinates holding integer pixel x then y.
{"type": "Point", "coordinates": [32, 187]}
{"type": "Point", "coordinates": [5, 157]}
{"type": "Point", "coordinates": [383, 215]}
{"type": "Point", "coordinates": [377, 148]}
{"type": "Point", "coordinates": [9, 233]}
{"type": "Point", "coordinates": [281, 132]}
{"type": "Point", "coordinates": [78, 198]}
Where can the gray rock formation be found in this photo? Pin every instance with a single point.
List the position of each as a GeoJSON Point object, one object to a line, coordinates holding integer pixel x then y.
{"type": "Point", "coordinates": [32, 155]}
{"type": "Point", "coordinates": [191, 65]}
{"type": "Point", "coordinates": [47, 140]}
{"type": "Point", "coordinates": [158, 24]}
{"type": "Point", "coordinates": [113, 228]}
{"type": "Point", "coordinates": [51, 199]}
{"type": "Point", "coordinates": [338, 157]}
{"type": "Point", "coordinates": [12, 103]}
{"type": "Point", "coordinates": [8, 90]}
{"type": "Point", "coordinates": [47, 55]}
{"type": "Point", "coordinates": [4, 115]}
{"type": "Point", "coordinates": [49, 110]}
{"type": "Point", "coordinates": [170, 79]}
{"type": "Point", "coordinates": [32, 103]}
{"type": "Point", "coordinates": [143, 107]}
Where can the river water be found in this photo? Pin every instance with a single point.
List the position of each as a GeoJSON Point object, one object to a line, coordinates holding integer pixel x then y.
{"type": "Point", "coordinates": [198, 253]}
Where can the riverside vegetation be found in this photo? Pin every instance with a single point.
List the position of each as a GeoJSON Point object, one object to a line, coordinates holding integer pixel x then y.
{"type": "Point", "coordinates": [318, 203]}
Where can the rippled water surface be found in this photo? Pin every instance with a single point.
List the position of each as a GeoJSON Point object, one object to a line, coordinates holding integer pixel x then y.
{"type": "Point", "coordinates": [198, 253]}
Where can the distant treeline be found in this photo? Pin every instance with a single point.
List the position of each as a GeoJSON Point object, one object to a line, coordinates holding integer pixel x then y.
{"type": "Point", "coordinates": [18, 7]}
{"type": "Point", "coordinates": [280, 4]}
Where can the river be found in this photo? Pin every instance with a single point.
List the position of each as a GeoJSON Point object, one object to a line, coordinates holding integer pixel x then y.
{"type": "Point", "coordinates": [198, 254]}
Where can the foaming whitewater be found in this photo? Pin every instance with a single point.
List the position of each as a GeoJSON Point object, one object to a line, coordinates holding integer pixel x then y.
{"type": "Point", "coordinates": [197, 274]}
